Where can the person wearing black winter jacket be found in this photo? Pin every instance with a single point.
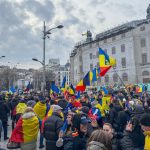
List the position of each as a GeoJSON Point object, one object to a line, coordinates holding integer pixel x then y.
{"type": "Point", "coordinates": [12, 105]}
{"type": "Point", "coordinates": [52, 128]}
{"type": "Point", "coordinates": [4, 110]}
{"type": "Point", "coordinates": [77, 139]}
{"type": "Point", "coordinates": [115, 108]}
{"type": "Point", "coordinates": [133, 138]}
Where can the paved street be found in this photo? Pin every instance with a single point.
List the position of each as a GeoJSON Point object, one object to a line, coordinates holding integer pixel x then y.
{"type": "Point", "coordinates": [3, 144]}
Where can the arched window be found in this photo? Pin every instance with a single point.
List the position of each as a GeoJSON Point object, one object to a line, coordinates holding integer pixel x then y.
{"type": "Point", "coordinates": [115, 77]}
{"type": "Point", "coordinates": [145, 73]}
{"type": "Point", "coordinates": [106, 78]}
{"type": "Point", "coordinates": [125, 77]}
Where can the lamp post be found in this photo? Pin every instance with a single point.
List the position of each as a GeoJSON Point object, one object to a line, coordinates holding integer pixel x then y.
{"type": "Point", "coordinates": [45, 35]}
{"type": "Point", "coordinates": [2, 57]}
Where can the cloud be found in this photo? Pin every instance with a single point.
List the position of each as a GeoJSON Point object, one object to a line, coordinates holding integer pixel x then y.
{"type": "Point", "coordinates": [124, 9]}
{"type": "Point", "coordinates": [44, 11]}
{"type": "Point", "coordinates": [97, 3]}
{"type": "Point", "coordinates": [21, 24]}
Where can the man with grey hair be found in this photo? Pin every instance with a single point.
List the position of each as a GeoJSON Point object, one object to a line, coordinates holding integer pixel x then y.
{"type": "Point", "coordinates": [52, 127]}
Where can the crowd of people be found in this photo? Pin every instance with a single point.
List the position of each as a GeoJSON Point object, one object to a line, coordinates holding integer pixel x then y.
{"type": "Point", "coordinates": [118, 120]}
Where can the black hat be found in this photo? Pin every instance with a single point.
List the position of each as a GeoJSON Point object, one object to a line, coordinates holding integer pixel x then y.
{"type": "Point", "coordinates": [145, 119]}
{"type": "Point", "coordinates": [79, 119]}
{"type": "Point", "coordinates": [85, 109]}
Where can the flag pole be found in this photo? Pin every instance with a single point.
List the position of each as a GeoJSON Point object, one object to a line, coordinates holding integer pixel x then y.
{"type": "Point", "coordinates": [121, 81]}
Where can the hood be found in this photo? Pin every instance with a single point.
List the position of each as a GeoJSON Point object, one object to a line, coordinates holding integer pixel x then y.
{"type": "Point", "coordinates": [147, 133]}
{"type": "Point", "coordinates": [28, 115]}
{"type": "Point", "coordinates": [94, 145]}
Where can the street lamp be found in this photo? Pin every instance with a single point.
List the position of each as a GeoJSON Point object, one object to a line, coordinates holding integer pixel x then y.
{"type": "Point", "coordinates": [2, 57]}
{"type": "Point", "coordinates": [45, 35]}
{"type": "Point", "coordinates": [35, 59]}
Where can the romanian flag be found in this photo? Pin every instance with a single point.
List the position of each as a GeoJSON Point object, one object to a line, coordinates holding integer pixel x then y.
{"type": "Point", "coordinates": [28, 87]}
{"type": "Point", "coordinates": [26, 130]}
{"type": "Point", "coordinates": [80, 86]}
{"type": "Point", "coordinates": [140, 88]}
{"type": "Point", "coordinates": [71, 90]}
{"type": "Point", "coordinates": [83, 83]}
{"type": "Point", "coordinates": [40, 110]}
{"type": "Point", "coordinates": [105, 62]}
{"type": "Point", "coordinates": [86, 79]}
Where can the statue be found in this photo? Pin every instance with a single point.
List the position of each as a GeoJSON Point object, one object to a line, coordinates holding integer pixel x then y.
{"type": "Point", "coordinates": [89, 36]}
{"type": "Point", "coordinates": [148, 12]}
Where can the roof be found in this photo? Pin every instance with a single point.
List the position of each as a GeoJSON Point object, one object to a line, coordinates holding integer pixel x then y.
{"type": "Point", "coordinates": [120, 29]}
{"type": "Point", "coordinates": [110, 33]}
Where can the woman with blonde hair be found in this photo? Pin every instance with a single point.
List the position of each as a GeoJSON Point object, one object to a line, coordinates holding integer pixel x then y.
{"type": "Point", "coordinates": [99, 140]}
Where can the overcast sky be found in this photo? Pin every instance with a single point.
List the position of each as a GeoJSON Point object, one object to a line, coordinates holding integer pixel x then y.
{"type": "Point", "coordinates": [21, 25]}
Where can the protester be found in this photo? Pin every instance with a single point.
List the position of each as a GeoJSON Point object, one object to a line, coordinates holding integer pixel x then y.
{"type": "Point", "coordinates": [20, 108]}
{"type": "Point", "coordinates": [41, 109]}
{"type": "Point", "coordinates": [145, 125]}
{"type": "Point", "coordinates": [52, 127]}
{"type": "Point", "coordinates": [99, 140]}
{"type": "Point", "coordinates": [115, 136]}
{"type": "Point", "coordinates": [26, 130]}
{"type": "Point", "coordinates": [4, 110]}
{"type": "Point", "coordinates": [77, 139]}
{"type": "Point", "coordinates": [12, 105]}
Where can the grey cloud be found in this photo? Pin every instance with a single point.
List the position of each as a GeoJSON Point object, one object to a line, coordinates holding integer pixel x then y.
{"type": "Point", "coordinates": [67, 5]}
{"type": "Point", "coordinates": [44, 11]}
{"type": "Point", "coordinates": [100, 17]}
{"type": "Point", "coordinates": [82, 12]}
{"type": "Point", "coordinates": [8, 16]}
{"type": "Point", "coordinates": [17, 40]}
{"type": "Point", "coordinates": [123, 8]}
{"type": "Point", "coordinates": [97, 2]}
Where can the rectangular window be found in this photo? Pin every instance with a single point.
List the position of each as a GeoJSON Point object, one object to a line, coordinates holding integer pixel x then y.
{"type": "Point", "coordinates": [97, 54]}
{"type": "Point", "coordinates": [143, 42]}
{"type": "Point", "coordinates": [113, 38]}
{"type": "Point", "coordinates": [91, 67]}
{"type": "Point", "coordinates": [113, 50]}
{"type": "Point", "coordinates": [80, 69]}
{"type": "Point", "coordinates": [90, 45]}
{"type": "Point", "coordinates": [80, 58]}
{"type": "Point", "coordinates": [142, 28]}
{"type": "Point", "coordinates": [97, 43]}
{"type": "Point", "coordinates": [144, 58]}
{"type": "Point", "coordinates": [90, 55]}
{"type": "Point", "coordinates": [105, 41]}
{"type": "Point", "coordinates": [123, 35]}
{"type": "Point", "coordinates": [123, 62]}
{"type": "Point", "coordinates": [123, 48]}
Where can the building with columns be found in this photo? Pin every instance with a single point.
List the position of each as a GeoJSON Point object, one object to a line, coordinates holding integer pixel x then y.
{"type": "Point", "coordinates": [128, 43]}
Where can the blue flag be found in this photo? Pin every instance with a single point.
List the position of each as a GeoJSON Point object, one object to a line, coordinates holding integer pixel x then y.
{"type": "Point", "coordinates": [94, 75]}
{"type": "Point", "coordinates": [54, 88]}
{"type": "Point", "coordinates": [86, 80]}
{"type": "Point", "coordinates": [78, 95]}
{"type": "Point", "coordinates": [64, 82]}
{"type": "Point", "coordinates": [105, 90]}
